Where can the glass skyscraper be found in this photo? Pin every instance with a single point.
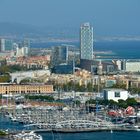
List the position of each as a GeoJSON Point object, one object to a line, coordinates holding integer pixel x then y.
{"type": "Point", "coordinates": [86, 42]}
{"type": "Point", "coordinates": [6, 45]}
{"type": "Point", "coordinates": [59, 55]}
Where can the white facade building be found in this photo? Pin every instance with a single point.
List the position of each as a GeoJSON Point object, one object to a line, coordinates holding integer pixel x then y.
{"type": "Point", "coordinates": [115, 94]}
{"type": "Point", "coordinates": [28, 74]}
{"type": "Point", "coordinates": [21, 51]}
{"type": "Point", "coordinates": [133, 66]}
{"type": "Point", "coordinates": [130, 65]}
{"type": "Point", "coordinates": [119, 63]}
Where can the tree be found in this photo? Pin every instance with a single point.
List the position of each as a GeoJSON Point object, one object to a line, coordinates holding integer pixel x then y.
{"type": "Point", "coordinates": [119, 85]}
{"type": "Point", "coordinates": [24, 81]}
{"type": "Point", "coordinates": [104, 102]}
{"type": "Point", "coordinates": [5, 78]}
{"type": "Point", "coordinates": [40, 97]}
{"type": "Point", "coordinates": [91, 101]}
{"type": "Point", "coordinates": [113, 103]}
{"type": "Point", "coordinates": [2, 133]}
{"type": "Point", "coordinates": [89, 87]}
{"type": "Point", "coordinates": [77, 102]}
{"type": "Point", "coordinates": [4, 69]}
{"type": "Point", "coordinates": [122, 103]}
{"type": "Point", "coordinates": [131, 102]}
{"type": "Point", "coordinates": [134, 90]}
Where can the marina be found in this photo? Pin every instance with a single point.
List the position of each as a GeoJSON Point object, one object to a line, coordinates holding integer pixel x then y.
{"type": "Point", "coordinates": [32, 119]}
{"type": "Point", "coordinates": [63, 120]}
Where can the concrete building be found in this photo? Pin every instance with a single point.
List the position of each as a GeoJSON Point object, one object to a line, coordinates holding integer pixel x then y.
{"type": "Point", "coordinates": [110, 83]}
{"type": "Point", "coordinates": [22, 49]}
{"type": "Point", "coordinates": [18, 76]}
{"type": "Point", "coordinates": [40, 62]}
{"type": "Point", "coordinates": [131, 81]}
{"type": "Point", "coordinates": [115, 94]}
{"type": "Point", "coordinates": [25, 89]}
{"type": "Point", "coordinates": [2, 45]}
{"type": "Point", "coordinates": [100, 68]}
{"type": "Point", "coordinates": [121, 64]}
{"type": "Point", "coordinates": [6, 45]}
{"type": "Point", "coordinates": [133, 66]}
{"type": "Point", "coordinates": [86, 41]}
{"type": "Point", "coordinates": [88, 65]}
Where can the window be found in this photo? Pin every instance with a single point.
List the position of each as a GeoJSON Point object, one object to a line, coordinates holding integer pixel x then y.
{"type": "Point", "coordinates": [117, 94]}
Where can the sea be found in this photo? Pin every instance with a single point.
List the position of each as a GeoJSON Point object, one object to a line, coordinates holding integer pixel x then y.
{"type": "Point", "coordinates": [93, 136]}
{"type": "Point", "coordinates": [106, 49]}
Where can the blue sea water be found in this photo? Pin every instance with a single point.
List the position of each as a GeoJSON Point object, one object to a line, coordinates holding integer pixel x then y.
{"type": "Point", "coordinates": [7, 124]}
{"type": "Point", "coordinates": [121, 49]}
{"type": "Point", "coordinates": [92, 136]}
{"type": "Point", "coordinates": [114, 49]}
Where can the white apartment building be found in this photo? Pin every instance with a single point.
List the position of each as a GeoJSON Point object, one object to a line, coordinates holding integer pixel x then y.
{"type": "Point", "coordinates": [115, 94]}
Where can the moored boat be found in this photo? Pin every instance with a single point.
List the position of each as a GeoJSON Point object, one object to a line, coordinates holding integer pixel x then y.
{"type": "Point", "coordinates": [27, 136]}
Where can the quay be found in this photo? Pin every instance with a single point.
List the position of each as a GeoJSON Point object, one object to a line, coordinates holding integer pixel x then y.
{"type": "Point", "coordinates": [78, 130]}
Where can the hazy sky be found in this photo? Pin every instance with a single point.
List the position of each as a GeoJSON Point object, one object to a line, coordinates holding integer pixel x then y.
{"type": "Point", "coordinates": [116, 17]}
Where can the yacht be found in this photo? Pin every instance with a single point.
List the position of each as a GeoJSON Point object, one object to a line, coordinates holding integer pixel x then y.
{"type": "Point", "coordinates": [137, 128]}
{"type": "Point", "coordinates": [27, 136]}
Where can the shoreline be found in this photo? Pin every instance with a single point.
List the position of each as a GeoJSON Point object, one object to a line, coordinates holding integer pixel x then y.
{"type": "Point", "coordinates": [82, 130]}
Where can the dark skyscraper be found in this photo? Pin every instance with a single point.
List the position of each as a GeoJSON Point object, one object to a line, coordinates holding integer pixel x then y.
{"type": "Point", "coordinates": [59, 55]}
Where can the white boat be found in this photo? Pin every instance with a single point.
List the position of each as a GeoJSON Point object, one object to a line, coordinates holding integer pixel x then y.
{"type": "Point", "coordinates": [111, 131]}
{"type": "Point", "coordinates": [137, 128]}
{"type": "Point", "coordinates": [27, 136]}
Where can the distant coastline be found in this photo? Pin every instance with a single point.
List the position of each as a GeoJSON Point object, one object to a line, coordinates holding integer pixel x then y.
{"type": "Point", "coordinates": [117, 49]}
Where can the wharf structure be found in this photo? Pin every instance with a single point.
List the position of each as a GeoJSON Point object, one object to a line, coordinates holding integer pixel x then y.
{"type": "Point", "coordinates": [25, 89]}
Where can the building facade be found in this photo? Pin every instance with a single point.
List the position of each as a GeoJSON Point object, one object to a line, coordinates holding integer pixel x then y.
{"type": "Point", "coordinates": [25, 89]}
{"type": "Point", "coordinates": [115, 94]}
{"type": "Point", "coordinates": [2, 45]}
{"type": "Point", "coordinates": [63, 69]}
{"type": "Point", "coordinates": [86, 41]}
{"type": "Point", "coordinates": [6, 45]}
{"type": "Point", "coordinates": [23, 48]}
{"type": "Point", "coordinates": [59, 55]}
{"type": "Point", "coordinates": [133, 66]}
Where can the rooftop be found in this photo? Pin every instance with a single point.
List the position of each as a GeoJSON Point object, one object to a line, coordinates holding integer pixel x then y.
{"type": "Point", "coordinates": [114, 89]}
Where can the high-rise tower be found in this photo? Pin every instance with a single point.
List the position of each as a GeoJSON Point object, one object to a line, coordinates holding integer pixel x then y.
{"type": "Point", "coordinates": [59, 55]}
{"type": "Point", "coordinates": [86, 42]}
{"type": "Point", "coordinates": [2, 45]}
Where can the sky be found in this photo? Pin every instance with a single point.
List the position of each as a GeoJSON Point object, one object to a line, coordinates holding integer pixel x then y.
{"type": "Point", "coordinates": [108, 17]}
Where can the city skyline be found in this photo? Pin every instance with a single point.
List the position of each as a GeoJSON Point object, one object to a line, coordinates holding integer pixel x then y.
{"type": "Point", "coordinates": [108, 17]}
